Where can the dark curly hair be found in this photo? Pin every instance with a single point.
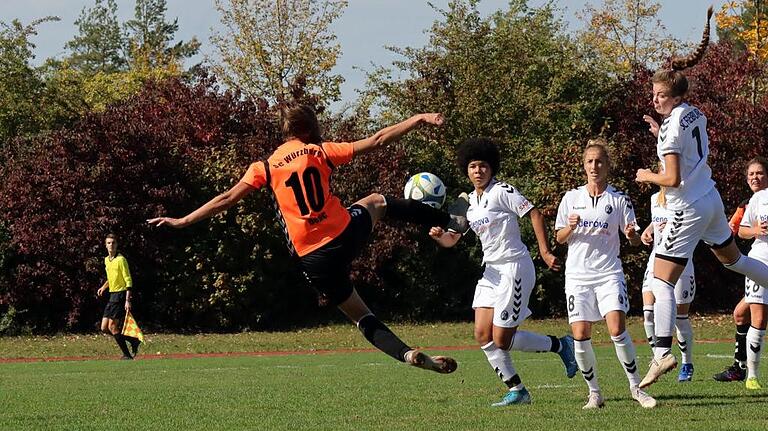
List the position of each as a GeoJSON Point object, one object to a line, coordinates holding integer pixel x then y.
{"type": "Point", "coordinates": [484, 149]}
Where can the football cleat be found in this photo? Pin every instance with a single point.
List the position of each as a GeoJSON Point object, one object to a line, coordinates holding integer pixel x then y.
{"type": "Point", "coordinates": [566, 354]}
{"type": "Point", "coordinates": [686, 373]}
{"type": "Point", "coordinates": [645, 400]}
{"type": "Point", "coordinates": [657, 368]}
{"type": "Point", "coordinates": [439, 364]}
{"type": "Point", "coordinates": [734, 373]}
{"type": "Point", "coordinates": [458, 211]}
{"type": "Point", "coordinates": [753, 384]}
{"type": "Point", "coordinates": [512, 397]}
{"type": "Point", "coordinates": [595, 401]}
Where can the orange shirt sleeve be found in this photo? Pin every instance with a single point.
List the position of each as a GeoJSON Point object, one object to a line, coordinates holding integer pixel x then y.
{"type": "Point", "coordinates": [255, 176]}
{"type": "Point", "coordinates": [339, 152]}
{"type": "Point", "coordinates": [736, 219]}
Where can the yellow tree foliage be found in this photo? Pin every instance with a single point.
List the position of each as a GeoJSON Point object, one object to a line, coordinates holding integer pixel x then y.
{"type": "Point", "coordinates": [623, 34]}
{"type": "Point", "coordinates": [746, 23]}
{"type": "Point", "coordinates": [270, 46]}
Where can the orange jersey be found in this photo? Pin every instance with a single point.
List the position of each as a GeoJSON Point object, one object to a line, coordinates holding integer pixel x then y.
{"type": "Point", "coordinates": [299, 175]}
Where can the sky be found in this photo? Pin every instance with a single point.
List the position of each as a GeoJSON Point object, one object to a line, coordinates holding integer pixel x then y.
{"type": "Point", "coordinates": [363, 31]}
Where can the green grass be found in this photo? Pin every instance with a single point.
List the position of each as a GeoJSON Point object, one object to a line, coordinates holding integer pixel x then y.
{"type": "Point", "coordinates": [344, 336]}
{"type": "Point", "coordinates": [357, 391]}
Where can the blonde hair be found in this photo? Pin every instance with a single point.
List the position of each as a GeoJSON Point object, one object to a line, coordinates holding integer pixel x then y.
{"type": "Point", "coordinates": [599, 143]}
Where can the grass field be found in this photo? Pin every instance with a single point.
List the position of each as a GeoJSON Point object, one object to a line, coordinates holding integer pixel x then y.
{"type": "Point", "coordinates": [350, 390]}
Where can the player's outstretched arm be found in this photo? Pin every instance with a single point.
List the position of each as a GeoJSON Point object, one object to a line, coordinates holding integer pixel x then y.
{"type": "Point", "coordinates": [216, 205]}
{"type": "Point", "coordinates": [540, 230]}
{"type": "Point", "coordinates": [392, 133]}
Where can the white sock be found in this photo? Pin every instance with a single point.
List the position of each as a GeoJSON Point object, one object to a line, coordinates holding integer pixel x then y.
{"type": "Point", "coordinates": [501, 363]}
{"type": "Point", "coordinates": [625, 351]}
{"type": "Point", "coordinates": [754, 346]}
{"type": "Point", "coordinates": [665, 311]}
{"type": "Point", "coordinates": [754, 269]}
{"type": "Point", "coordinates": [685, 337]}
{"type": "Point", "coordinates": [525, 341]}
{"type": "Point", "coordinates": [585, 358]}
{"type": "Point", "coordinates": [648, 325]}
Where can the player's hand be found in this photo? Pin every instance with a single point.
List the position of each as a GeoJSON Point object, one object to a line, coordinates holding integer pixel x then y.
{"type": "Point", "coordinates": [643, 175]}
{"type": "Point", "coordinates": [436, 232]}
{"type": "Point", "coordinates": [127, 306]}
{"type": "Point", "coordinates": [573, 221]}
{"type": "Point", "coordinates": [167, 221]}
{"type": "Point", "coordinates": [653, 126]}
{"type": "Point", "coordinates": [435, 118]}
{"type": "Point", "coordinates": [762, 229]}
{"type": "Point", "coordinates": [551, 260]}
{"type": "Point", "coordinates": [100, 291]}
{"type": "Point", "coordinates": [647, 237]}
{"type": "Point", "coordinates": [629, 231]}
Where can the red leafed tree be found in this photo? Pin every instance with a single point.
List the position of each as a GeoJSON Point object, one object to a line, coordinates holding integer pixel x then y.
{"type": "Point", "coordinates": [166, 150]}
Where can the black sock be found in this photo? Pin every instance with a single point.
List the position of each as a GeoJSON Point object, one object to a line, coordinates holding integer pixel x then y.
{"type": "Point", "coordinates": [121, 343]}
{"type": "Point", "coordinates": [382, 338]}
{"type": "Point", "coordinates": [664, 342]}
{"type": "Point", "coordinates": [134, 343]}
{"type": "Point", "coordinates": [740, 354]}
{"type": "Point", "coordinates": [412, 211]}
{"type": "Point", "coordinates": [514, 381]}
{"type": "Point", "coordinates": [555, 344]}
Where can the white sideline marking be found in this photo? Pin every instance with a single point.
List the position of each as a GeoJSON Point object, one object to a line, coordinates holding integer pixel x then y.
{"type": "Point", "coordinates": [712, 355]}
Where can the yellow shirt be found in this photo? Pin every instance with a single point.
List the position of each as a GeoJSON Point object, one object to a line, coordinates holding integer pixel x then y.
{"type": "Point", "coordinates": [118, 275]}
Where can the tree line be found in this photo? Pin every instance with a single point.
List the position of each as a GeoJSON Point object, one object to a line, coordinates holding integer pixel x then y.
{"type": "Point", "coordinates": [121, 129]}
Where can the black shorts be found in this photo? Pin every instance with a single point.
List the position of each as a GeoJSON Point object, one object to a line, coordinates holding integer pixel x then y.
{"type": "Point", "coordinates": [327, 268]}
{"type": "Point", "coordinates": [115, 308]}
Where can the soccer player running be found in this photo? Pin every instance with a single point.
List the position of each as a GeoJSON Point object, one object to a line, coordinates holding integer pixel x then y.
{"type": "Point", "coordinates": [119, 284]}
{"type": "Point", "coordinates": [694, 203]}
{"type": "Point", "coordinates": [685, 289]}
{"type": "Point", "coordinates": [324, 235]}
{"type": "Point", "coordinates": [589, 220]}
{"type": "Point", "coordinates": [757, 179]}
{"type": "Point", "coordinates": [502, 294]}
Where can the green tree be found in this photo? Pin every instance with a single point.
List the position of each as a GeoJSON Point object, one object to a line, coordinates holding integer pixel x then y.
{"type": "Point", "coordinates": [150, 36]}
{"type": "Point", "coordinates": [100, 44]}
{"type": "Point", "coordinates": [515, 76]}
{"type": "Point", "coordinates": [20, 85]}
{"type": "Point", "coordinates": [621, 35]}
{"type": "Point", "coordinates": [270, 47]}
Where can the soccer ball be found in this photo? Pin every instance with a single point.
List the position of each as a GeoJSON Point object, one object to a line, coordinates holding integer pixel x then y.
{"type": "Point", "coordinates": [426, 188]}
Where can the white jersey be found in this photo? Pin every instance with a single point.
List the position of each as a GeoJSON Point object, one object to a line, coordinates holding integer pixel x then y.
{"type": "Point", "coordinates": [659, 217]}
{"type": "Point", "coordinates": [493, 216]}
{"type": "Point", "coordinates": [593, 248]}
{"type": "Point", "coordinates": [684, 133]}
{"type": "Point", "coordinates": [757, 212]}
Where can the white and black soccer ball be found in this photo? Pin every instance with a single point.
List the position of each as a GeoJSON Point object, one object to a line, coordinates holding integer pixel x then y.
{"type": "Point", "coordinates": [426, 188]}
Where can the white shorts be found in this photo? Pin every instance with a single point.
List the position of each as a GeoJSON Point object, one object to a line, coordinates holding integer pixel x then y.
{"type": "Point", "coordinates": [506, 288]}
{"type": "Point", "coordinates": [685, 289]}
{"type": "Point", "coordinates": [590, 301]}
{"type": "Point", "coordinates": [754, 293]}
{"type": "Point", "coordinates": [703, 220]}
